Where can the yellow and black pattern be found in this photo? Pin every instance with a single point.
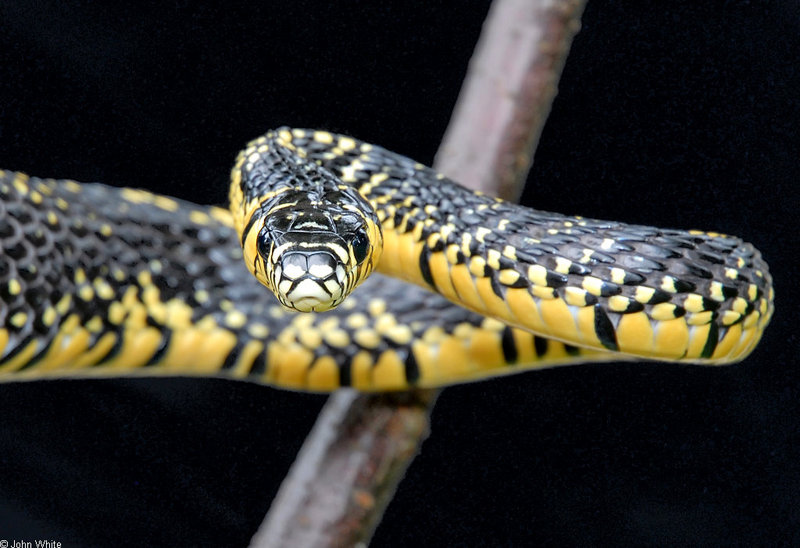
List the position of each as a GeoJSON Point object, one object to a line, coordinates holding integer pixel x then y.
{"type": "Point", "coordinates": [98, 281]}
{"type": "Point", "coordinates": [639, 290]}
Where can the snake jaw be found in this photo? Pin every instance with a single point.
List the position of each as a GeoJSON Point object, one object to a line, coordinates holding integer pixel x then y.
{"type": "Point", "coordinates": [309, 297]}
{"type": "Point", "coordinates": [310, 282]}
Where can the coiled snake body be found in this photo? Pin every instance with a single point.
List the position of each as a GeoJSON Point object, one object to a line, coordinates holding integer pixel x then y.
{"type": "Point", "coordinates": [101, 281]}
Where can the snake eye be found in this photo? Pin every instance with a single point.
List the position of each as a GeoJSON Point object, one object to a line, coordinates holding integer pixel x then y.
{"type": "Point", "coordinates": [360, 246]}
{"type": "Point", "coordinates": [263, 244]}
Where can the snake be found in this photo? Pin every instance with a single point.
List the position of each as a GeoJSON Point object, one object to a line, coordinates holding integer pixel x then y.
{"type": "Point", "coordinates": [381, 274]}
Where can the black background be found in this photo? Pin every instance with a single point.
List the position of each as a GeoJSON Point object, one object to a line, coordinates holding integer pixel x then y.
{"type": "Point", "coordinates": [670, 114]}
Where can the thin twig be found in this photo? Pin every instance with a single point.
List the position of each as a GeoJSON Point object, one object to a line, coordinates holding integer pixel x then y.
{"type": "Point", "coordinates": [357, 453]}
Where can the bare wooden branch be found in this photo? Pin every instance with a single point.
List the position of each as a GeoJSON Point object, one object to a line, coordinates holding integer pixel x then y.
{"type": "Point", "coordinates": [347, 470]}
{"type": "Point", "coordinates": [506, 97]}
{"type": "Point", "coordinates": [358, 451]}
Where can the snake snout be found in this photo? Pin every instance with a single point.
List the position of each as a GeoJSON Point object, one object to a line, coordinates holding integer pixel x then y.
{"type": "Point", "coordinates": [310, 281]}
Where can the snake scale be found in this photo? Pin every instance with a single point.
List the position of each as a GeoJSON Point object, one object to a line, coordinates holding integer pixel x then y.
{"type": "Point", "coordinates": [103, 281]}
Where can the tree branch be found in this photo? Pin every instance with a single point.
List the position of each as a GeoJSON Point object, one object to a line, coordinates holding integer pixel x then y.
{"type": "Point", "coordinates": [507, 94]}
{"type": "Point", "coordinates": [361, 445]}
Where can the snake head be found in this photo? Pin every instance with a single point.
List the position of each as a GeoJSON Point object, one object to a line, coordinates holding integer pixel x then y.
{"type": "Point", "coordinates": [312, 259]}
{"type": "Point", "coordinates": [307, 235]}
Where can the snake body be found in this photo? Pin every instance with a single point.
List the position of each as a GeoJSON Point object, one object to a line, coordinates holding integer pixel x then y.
{"type": "Point", "coordinates": [100, 281]}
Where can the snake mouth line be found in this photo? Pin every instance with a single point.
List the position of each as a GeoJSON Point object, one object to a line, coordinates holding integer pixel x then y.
{"type": "Point", "coordinates": [312, 304]}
